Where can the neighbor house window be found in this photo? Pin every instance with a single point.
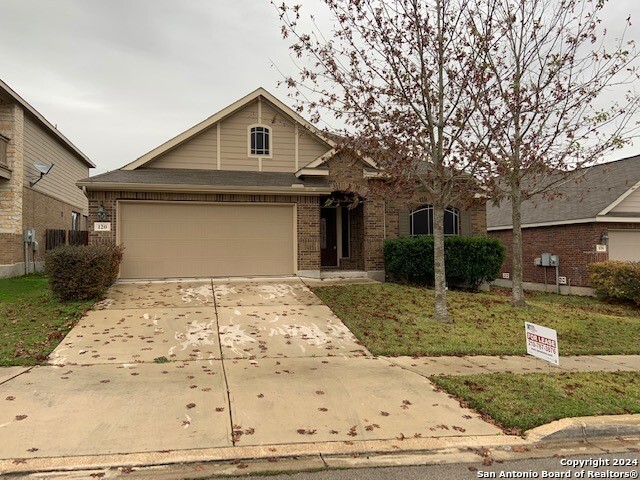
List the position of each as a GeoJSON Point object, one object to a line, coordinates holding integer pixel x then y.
{"type": "Point", "coordinates": [260, 141]}
{"type": "Point", "coordinates": [421, 221]}
{"type": "Point", "coordinates": [75, 221]}
{"type": "Point", "coordinates": [3, 152]}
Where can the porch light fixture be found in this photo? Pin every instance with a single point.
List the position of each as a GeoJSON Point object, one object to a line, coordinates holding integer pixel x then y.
{"type": "Point", "coordinates": [102, 214]}
{"type": "Point", "coordinates": [604, 238]}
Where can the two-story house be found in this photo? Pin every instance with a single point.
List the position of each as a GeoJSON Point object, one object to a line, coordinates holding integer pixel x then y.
{"type": "Point", "coordinates": [29, 200]}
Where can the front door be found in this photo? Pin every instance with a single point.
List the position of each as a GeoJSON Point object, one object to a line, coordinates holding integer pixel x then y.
{"type": "Point", "coordinates": [328, 238]}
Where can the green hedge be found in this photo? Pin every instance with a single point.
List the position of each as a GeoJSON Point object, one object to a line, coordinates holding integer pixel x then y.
{"type": "Point", "coordinates": [469, 261]}
{"type": "Point", "coordinates": [616, 280]}
{"type": "Point", "coordinates": [82, 272]}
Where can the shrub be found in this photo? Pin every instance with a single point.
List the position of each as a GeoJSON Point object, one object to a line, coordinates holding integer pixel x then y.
{"type": "Point", "coordinates": [82, 272]}
{"type": "Point", "coordinates": [469, 261]}
{"type": "Point", "coordinates": [616, 280]}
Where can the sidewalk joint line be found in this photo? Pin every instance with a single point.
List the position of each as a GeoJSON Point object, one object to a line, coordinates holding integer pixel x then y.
{"type": "Point", "coordinates": [17, 375]}
{"type": "Point", "coordinates": [224, 370]}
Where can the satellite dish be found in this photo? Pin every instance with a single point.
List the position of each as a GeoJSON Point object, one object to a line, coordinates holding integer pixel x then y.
{"type": "Point", "coordinates": [43, 168]}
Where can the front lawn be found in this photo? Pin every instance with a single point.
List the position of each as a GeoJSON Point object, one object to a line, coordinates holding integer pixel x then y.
{"type": "Point", "coordinates": [522, 402]}
{"type": "Point", "coordinates": [32, 321]}
{"type": "Point", "coordinates": [392, 319]}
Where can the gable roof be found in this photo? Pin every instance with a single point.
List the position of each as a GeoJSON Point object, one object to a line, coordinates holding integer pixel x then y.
{"type": "Point", "coordinates": [45, 123]}
{"type": "Point", "coordinates": [599, 189]}
{"type": "Point", "coordinates": [215, 118]}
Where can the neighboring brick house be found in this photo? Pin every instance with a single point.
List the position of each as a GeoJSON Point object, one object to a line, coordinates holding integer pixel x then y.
{"type": "Point", "coordinates": [54, 202]}
{"type": "Point", "coordinates": [254, 190]}
{"type": "Point", "coordinates": [600, 210]}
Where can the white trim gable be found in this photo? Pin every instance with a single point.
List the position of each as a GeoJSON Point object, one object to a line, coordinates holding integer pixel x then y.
{"type": "Point", "coordinates": [619, 200]}
{"type": "Point", "coordinates": [217, 117]}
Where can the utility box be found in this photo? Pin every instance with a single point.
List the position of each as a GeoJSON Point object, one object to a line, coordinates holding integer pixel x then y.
{"type": "Point", "coordinates": [538, 262]}
{"type": "Point", "coordinates": [29, 235]}
{"type": "Point", "coordinates": [548, 260]}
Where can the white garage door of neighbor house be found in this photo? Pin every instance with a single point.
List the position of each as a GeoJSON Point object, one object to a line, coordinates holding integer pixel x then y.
{"type": "Point", "coordinates": [180, 239]}
{"type": "Point", "coordinates": [624, 245]}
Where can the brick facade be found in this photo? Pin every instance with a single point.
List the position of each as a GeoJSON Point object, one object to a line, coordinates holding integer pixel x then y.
{"type": "Point", "coordinates": [575, 244]}
{"type": "Point", "coordinates": [370, 222]}
{"type": "Point", "coordinates": [41, 212]}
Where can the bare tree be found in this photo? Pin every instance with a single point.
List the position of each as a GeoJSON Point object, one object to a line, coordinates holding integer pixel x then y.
{"type": "Point", "coordinates": [542, 98]}
{"type": "Point", "coordinates": [397, 73]}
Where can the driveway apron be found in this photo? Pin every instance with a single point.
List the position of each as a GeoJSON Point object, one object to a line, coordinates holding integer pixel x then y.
{"type": "Point", "coordinates": [184, 365]}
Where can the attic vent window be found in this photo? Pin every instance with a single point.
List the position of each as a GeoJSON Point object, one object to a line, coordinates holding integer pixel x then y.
{"type": "Point", "coordinates": [260, 141]}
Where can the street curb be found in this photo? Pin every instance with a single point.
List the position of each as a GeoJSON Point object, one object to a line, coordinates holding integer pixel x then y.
{"type": "Point", "coordinates": [586, 428]}
{"type": "Point", "coordinates": [352, 454]}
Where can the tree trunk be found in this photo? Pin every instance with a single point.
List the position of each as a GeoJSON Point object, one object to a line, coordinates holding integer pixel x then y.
{"type": "Point", "coordinates": [440, 312]}
{"type": "Point", "coordinates": [517, 292]}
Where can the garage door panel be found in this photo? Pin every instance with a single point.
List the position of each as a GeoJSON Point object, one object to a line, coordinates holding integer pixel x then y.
{"type": "Point", "coordinates": [191, 240]}
{"type": "Point", "coordinates": [624, 245]}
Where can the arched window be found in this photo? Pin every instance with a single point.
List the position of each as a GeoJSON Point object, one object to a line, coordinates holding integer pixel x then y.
{"type": "Point", "coordinates": [421, 221]}
{"type": "Point", "coordinates": [260, 141]}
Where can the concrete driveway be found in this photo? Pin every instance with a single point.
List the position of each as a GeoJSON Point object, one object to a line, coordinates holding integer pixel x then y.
{"type": "Point", "coordinates": [190, 365]}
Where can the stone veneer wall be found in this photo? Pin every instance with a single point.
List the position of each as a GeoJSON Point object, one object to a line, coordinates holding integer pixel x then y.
{"type": "Point", "coordinates": [308, 216]}
{"type": "Point", "coordinates": [12, 127]}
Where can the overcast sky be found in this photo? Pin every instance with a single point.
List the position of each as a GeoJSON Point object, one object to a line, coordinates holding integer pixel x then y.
{"type": "Point", "coordinates": [120, 77]}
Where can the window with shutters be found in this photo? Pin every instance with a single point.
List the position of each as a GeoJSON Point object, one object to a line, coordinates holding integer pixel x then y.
{"type": "Point", "coordinates": [421, 221]}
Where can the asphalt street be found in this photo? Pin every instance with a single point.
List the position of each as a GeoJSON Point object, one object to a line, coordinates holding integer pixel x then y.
{"type": "Point", "coordinates": [543, 468]}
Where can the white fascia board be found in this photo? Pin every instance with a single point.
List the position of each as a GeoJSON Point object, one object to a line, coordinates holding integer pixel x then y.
{"type": "Point", "coordinates": [544, 224]}
{"type": "Point", "coordinates": [312, 172]}
{"type": "Point", "coordinates": [609, 219]}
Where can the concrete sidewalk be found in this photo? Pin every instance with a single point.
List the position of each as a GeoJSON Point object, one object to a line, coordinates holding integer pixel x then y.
{"type": "Point", "coordinates": [185, 371]}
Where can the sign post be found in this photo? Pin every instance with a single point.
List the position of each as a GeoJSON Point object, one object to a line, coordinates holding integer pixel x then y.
{"type": "Point", "coordinates": [542, 342]}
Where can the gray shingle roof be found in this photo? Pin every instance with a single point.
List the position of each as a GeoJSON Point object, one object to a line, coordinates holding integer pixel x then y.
{"type": "Point", "coordinates": [174, 176]}
{"type": "Point", "coordinates": [600, 186]}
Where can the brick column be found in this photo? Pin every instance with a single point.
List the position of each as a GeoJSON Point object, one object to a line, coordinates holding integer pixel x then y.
{"type": "Point", "coordinates": [374, 237]}
{"type": "Point", "coordinates": [309, 235]}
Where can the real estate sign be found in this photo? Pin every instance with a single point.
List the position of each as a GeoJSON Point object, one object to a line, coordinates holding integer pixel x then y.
{"type": "Point", "coordinates": [542, 342]}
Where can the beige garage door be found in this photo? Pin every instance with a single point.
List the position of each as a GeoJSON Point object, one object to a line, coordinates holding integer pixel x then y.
{"type": "Point", "coordinates": [624, 245]}
{"type": "Point", "coordinates": [198, 240]}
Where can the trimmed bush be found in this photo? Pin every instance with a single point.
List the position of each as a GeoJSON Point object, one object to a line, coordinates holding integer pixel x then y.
{"type": "Point", "coordinates": [616, 280]}
{"type": "Point", "coordinates": [82, 272]}
{"type": "Point", "coordinates": [469, 261]}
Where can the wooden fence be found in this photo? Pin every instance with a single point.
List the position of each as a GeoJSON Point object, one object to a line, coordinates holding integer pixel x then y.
{"type": "Point", "coordinates": [55, 238]}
